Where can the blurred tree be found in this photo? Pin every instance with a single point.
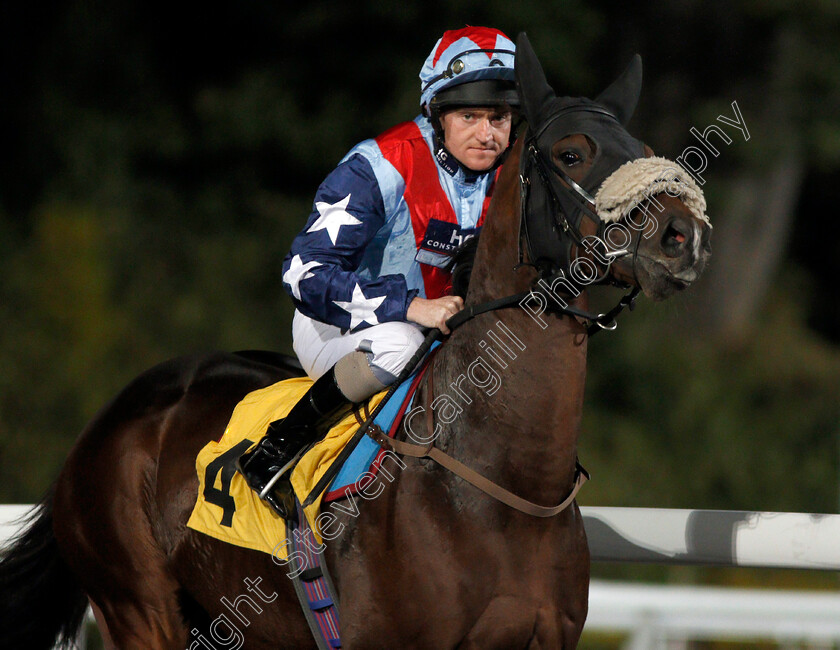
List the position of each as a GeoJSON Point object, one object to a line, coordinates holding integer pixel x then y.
{"type": "Point", "coordinates": [780, 63]}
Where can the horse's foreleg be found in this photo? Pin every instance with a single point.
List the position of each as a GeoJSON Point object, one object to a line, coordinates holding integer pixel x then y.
{"type": "Point", "coordinates": [511, 622]}
{"type": "Point", "coordinates": [125, 626]}
{"type": "Point", "coordinates": [556, 631]}
{"type": "Point", "coordinates": [102, 624]}
{"type": "Point", "coordinates": [104, 631]}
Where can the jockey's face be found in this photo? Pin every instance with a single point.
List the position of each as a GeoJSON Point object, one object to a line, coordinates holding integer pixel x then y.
{"type": "Point", "coordinates": [476, 136]}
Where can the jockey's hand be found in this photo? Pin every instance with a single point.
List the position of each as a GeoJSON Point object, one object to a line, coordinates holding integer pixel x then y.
{"type": "Point", "coordinates": [434, 313]}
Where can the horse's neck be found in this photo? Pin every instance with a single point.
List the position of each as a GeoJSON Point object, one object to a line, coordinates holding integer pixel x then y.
{"type": "Point", "coordinates": [514, 395]}
{"type": "Point", "coordinates": [520, 385]}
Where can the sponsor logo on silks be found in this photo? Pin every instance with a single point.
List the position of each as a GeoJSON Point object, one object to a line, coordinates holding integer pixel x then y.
{"type": "Point", "coordinates": [446, 161]}
{"type": "Point", "coordinates": [440, 242]}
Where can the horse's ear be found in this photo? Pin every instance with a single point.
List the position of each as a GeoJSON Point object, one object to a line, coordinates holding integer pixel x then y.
{"type": "Point", "coordinates": [623, 94]}
{"type": "Point", "coordinates": [534, 91]}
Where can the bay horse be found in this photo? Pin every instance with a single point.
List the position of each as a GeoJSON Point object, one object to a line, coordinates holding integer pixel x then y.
{"type": "Point", "coordinates": [431, 562]}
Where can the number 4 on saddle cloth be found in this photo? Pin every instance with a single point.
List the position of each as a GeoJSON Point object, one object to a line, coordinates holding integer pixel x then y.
{"type": "Point", "coordinates": [229, 510]}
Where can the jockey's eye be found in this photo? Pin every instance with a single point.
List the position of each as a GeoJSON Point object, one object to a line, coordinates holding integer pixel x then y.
{"type": "Point", "coordinates": [499, 120]}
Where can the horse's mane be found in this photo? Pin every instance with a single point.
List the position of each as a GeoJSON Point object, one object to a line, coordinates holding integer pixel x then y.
{"type": "Point", "coordinates": [462, 265]}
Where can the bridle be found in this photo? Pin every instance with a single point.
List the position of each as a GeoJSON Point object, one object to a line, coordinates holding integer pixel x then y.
{"type": "Point", "coordinates": [568, 203]}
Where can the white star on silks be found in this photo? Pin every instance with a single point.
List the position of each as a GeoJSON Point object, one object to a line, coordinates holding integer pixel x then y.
{"type": "Point", "coordinates": [333, 216]}
{"type": "Point", "coordinates": [298, 271]}
{"type": "Point", "coordinates": [361, 309]}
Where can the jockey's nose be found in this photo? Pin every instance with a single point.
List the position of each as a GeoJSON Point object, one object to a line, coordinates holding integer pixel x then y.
{"type": "Point", "coordinates": [483, 130]}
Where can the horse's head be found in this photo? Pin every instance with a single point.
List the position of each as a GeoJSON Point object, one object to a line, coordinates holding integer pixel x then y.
{"type": "Point", "coordinates": [656, 226]}
{"type": "Point", "coordinates": [647, 227]}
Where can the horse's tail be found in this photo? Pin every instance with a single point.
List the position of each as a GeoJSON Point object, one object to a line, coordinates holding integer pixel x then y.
{"type": "Point", "coordinates": [42, 604]}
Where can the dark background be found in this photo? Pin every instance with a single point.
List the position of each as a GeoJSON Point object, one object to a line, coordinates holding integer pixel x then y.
{"type": "Point", "coordinates": [157, 161]}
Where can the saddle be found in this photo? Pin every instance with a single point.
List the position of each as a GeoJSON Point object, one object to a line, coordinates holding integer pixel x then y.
{"type": "Point", "coordinates": [228, 510]}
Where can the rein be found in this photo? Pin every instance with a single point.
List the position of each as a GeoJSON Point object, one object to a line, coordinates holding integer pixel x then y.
{"type": "Point", "coordinates": [597, 322]}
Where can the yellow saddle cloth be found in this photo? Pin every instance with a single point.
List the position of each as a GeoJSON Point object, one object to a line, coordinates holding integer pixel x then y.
{"type": "Point", "coordinates": [227, 508]}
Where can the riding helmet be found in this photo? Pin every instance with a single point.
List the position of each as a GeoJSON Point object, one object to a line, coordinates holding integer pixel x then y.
{"type": "Point", "coordinates": [472, 66]}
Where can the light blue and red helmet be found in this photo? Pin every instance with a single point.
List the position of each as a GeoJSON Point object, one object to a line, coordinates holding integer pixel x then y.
{"type": "Point", "coordinates": [472, 66]}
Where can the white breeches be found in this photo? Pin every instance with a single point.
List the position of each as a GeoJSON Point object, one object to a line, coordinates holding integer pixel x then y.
{"type": "Point", "coordinates": [389, 345]}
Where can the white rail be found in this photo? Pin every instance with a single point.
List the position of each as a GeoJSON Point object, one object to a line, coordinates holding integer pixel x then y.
{"type": "Point", "coordinates": [9, 518]}
{"type": "Point", "coordinates": [781, 540]}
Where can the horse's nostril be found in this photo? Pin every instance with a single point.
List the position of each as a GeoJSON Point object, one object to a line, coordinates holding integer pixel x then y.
{"type": "Point", "coordinates": [673, 235]}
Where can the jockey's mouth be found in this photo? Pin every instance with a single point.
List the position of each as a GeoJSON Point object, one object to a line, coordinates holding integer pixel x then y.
{"type": "Point", "coordinates": [485, 151]}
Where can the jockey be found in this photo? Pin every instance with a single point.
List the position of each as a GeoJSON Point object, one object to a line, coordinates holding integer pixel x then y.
{"type": "Point", "coordinates": [369, 270]}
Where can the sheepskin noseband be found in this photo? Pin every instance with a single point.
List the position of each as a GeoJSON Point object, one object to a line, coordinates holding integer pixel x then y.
{"type": "Point", "coordinates": [643, 178]}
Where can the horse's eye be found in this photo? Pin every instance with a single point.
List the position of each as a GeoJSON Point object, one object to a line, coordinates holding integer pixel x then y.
{"type": "Point", "coordinates": [569, 158]}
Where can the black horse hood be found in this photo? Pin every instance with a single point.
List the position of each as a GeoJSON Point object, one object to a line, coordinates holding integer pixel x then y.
{"type": "Point", "coordinates": [551, 118]}
{"type": "Point", "coordinates": [554, 208]}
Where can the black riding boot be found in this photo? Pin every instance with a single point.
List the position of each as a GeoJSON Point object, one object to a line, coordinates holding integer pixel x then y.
{"type": "Point", "coordinates": [267, 467]}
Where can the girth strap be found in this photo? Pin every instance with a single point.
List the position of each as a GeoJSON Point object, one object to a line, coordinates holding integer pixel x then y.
{"type": "Point", "coordinates": [312, 582]}
{"type": "Point", "coordinates": [477, 480]}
